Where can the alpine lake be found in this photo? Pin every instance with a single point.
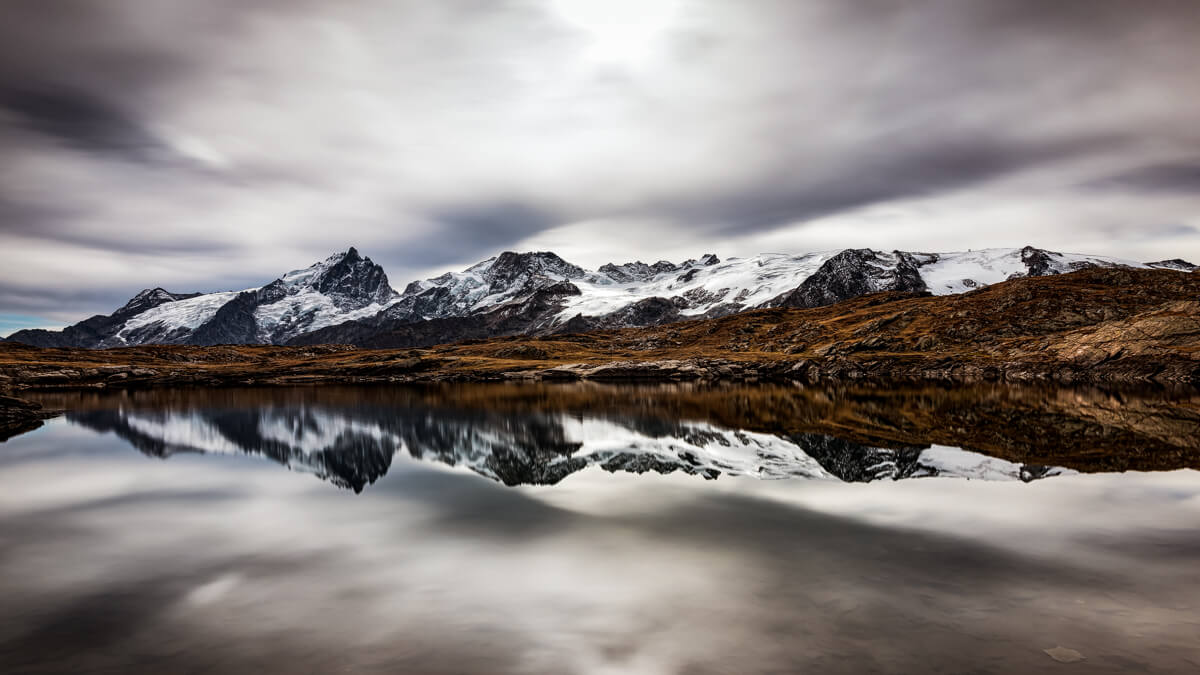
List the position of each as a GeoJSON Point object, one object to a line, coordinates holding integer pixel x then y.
{"type": "Point", "coordinates": [604, 528]}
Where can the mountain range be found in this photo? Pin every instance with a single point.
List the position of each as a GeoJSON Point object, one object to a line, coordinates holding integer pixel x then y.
{"type": "Point", "coordinates": [347, 298]}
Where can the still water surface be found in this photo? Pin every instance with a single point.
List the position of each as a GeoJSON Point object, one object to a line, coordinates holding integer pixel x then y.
{"type": "Point", "coordinates": [604, 529]}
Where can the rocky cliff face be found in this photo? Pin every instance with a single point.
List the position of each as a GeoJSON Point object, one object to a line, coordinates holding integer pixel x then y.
{"type": "Point", "coordinates": [852, 273]}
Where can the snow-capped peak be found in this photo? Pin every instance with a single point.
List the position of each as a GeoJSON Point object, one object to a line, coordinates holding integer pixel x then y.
{"type": "Point", "coordinates": [343, 287]}
{"type": "Point", "coordinates": [511, 266]}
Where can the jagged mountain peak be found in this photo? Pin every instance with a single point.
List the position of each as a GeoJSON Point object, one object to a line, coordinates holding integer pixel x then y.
{"type": "Point", "coordinates": [152, 297]}
{"type": "Point", "coordinates": [510, 277]}
{"type": "Point", "coordinates": [635, 271]}
{"type": "Point", "coordinates": [510, 265]}
{"type": "Point", "coordinates": [311, 275]}
{"type": "Point", "coordinates": [854, 272]}
{"type": "Point", "coordinates": [351, 280]}
{"type": "Point", "coordinates": [640, 271]}
{"type": "Point", "coordinates": [148, 294]}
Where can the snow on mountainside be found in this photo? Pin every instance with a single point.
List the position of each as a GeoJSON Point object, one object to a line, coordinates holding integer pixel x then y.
{"type": "Point", "coordinates": [347, 299]}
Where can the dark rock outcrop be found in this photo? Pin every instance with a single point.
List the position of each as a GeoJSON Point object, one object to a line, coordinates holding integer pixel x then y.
{"type": "Point", "coordinates": [354, 282]}
{"type": "Point", "coordinates": [648, 312]}
{"type": "Point", "coordinates": [1037, 262]}
{"type": "Point", "coordinates": [19, 416]}
{"type": "Point", "coordinates": [1174, 264]}
{"type": "Point", "coordinates": [233, 323]}
{"type": "Point", "coordinates": [852, 273]}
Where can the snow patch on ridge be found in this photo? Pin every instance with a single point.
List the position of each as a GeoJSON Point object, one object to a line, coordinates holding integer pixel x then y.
{"type": "Point", "coordinates": [959, 463]}
{"type": "Point", "coordinates": [702, 446]}
{"type": "Point", "coordinates": [962, 271]}
{"type": "Point", "coordinates": [189, 432]}
{"type": "Point", "coordinates": [189, 314]}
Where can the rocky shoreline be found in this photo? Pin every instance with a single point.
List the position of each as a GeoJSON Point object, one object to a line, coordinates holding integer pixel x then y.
{"type": "Point", "coordinates": [364, 367]}
{"type": "Point", "coordinates": [19, 416]}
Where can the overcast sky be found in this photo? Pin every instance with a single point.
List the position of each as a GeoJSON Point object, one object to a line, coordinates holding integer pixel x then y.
{"type": "Point", "coordinates": [215, 145]}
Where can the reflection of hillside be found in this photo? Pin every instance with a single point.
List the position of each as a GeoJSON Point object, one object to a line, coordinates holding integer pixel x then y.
{"type": "Point", "coordinates": [353, 446]}
{"type": "Point", "coordinates": [1082, 429]}
{"type": "Point", "coordinates": [350, 457]}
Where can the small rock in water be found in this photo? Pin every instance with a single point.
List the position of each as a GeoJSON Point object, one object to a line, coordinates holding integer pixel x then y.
{"type": "Point", "coordinates": [1064, 655]}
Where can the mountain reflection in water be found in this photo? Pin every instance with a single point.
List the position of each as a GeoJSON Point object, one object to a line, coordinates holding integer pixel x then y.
{"type": "Point", "coordinates": [216, 561]}
{"type": "Point", "coordinates": [541, 433]}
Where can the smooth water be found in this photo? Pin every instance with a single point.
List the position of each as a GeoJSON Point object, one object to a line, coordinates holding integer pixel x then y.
{"type": "Point", "coordinates": [597, 529]}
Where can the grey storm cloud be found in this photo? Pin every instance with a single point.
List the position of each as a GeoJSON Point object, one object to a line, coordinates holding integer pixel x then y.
{"type": "Point", "coordinates": [1173, 177]}
{"type": "Point", "coordinates": [482, 230]}
{"type": "Point", "coordinates": [937, 165]}
{"type": "Point", "coordinates": [199, 146]}
{"type": "Point", "coordinates": [79, 120]}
